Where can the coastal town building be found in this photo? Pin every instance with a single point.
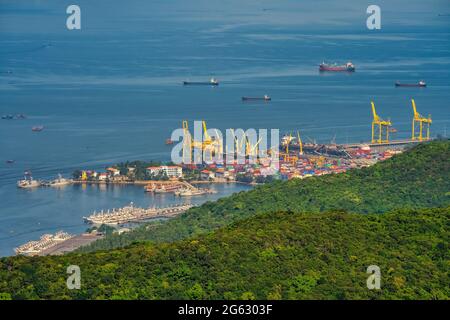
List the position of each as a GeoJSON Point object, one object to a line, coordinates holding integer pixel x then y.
{"type": "Point", "coordinates": [169, 171]}
{"type": "Point", "coordinates": [113, 171]}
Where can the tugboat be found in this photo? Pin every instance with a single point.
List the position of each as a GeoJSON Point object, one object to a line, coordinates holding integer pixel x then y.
{"type": "Point", "coordinates": [264, 98]}
{"type": "Point", "coordinates": [349, 67]}
{"type": "Point", "coordinates": [421, 84]}
{"type": "Point", "coordinates": [211, 82]}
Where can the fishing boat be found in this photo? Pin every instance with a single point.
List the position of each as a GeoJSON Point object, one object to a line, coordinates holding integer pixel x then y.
{"type": "Point", "coordinates": [211, 82]}
{"type": "Point", "coordinates": [349, 67]}
{"type": "Point", "coordinates": [264, 98]}
{"type": "Point", "coordinates": [419, 84]}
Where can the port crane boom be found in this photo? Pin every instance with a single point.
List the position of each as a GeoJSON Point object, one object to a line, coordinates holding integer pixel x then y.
{"type": "Point", "coordinates": [377, 121]}
{"type": "Point", "coordinates": [418, 118]}
{"type": "Point", "coordinates": [300, 143]}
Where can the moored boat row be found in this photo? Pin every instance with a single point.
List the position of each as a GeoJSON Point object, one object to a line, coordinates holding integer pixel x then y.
{"type": "Point", "coordinates": [28, 182]}
{"type": "Point", "coordinates": [45, 242]}
{"type": "Point", "coordinates": [131, 213]}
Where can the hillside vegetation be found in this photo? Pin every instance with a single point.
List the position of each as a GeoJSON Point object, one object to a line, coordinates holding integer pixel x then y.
{"type": "Point", "coordinates": [271, 256]}
{"type": "Point", "coordinates": [419, 178]}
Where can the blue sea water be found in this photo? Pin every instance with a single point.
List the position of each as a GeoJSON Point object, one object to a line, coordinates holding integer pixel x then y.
{"type": "Point", "coordinates": [112, 90]}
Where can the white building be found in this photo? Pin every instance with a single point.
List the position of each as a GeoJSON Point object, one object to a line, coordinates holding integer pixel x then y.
{"type": "Point", "coordinates": [170, 171]}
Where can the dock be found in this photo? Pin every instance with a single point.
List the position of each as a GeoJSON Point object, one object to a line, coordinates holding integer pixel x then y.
{"type": "Point", "coordinates": [394, 144]}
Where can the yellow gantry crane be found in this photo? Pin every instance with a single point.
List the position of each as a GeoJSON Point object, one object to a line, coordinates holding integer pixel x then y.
{"type": "Point", "coordinates": [300, 144]}
{"type": "Point", "coordinates": [377, 121]}
{"type": "Point", "coordinates": [212, 146]}
{"type": "Point", "coordinates": [418, 118]}
{"type": "Point", "coordinates": [286, 142]}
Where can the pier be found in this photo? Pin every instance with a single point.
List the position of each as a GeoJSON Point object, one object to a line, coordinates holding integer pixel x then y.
{"type": "Point", "coordinates": [394, 144]}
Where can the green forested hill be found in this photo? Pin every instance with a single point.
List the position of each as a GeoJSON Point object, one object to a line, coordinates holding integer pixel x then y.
{"type": "Point", "coordinates": [269, 256]}
{"type": "Point", "coordinates": [416, 179]}
{"type": "Point", "coordinates": [286, 240]}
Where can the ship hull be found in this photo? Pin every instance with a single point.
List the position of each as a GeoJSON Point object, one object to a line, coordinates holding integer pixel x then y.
{"type": "Point", "coordinates": [255, 99]}
{"type": "Point", "coordinates": [417, 85]}
{"type": "Point", "coordinates": [188, 83]}
{"type": "Point", "coordinates": [336, 69]}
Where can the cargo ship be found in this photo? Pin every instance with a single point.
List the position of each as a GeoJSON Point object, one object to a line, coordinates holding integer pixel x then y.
{"type": "Point", "coordinates": [349, 67]}
{"type": "Point", "coordinates": [419, 84]}
{"type": "Point", "coordinates": [211, 82]}
{"type": "Point", "coordinates": [264, 98]}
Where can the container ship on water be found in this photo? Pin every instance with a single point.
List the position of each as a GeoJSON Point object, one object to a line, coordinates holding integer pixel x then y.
{"type": "Point", "coordinates": [420, 84]}
{"type": "Point", "coordinates": [348, 67]}
{"type": "Point", "coordinates": [211, 82]}
{"type": "Point", "coordinates": [263, 98]}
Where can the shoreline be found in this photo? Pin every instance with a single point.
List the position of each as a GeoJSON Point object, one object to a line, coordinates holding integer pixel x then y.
{"type": "Point", "coordinates": [145, 182]}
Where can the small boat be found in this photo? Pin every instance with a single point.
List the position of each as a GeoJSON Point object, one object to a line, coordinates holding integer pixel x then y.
{"type": "Point", "coordinates": [11, 117]}
{"type": "Point", "coordinates": [349, 67]}
{"type": "Point", "coordinates": [264, 98]}
{"type": "Point", "coordinates": [60, 181]}
{"type": "Point", "coordinates": [10, 161]}
{"type": "Point", "coordinates": [37, 128]}
{"type": "Point", "coordinates": [419, 84]}
{"type": "Point", "coordinates": [169, 141]}
{"type": "Point", "coordinates": [211, 82]}
{"type": "Point", "coordinates": [28, 183]}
